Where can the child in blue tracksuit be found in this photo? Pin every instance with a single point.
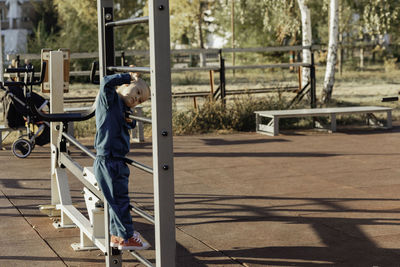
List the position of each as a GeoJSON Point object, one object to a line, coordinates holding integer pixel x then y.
{"type": "Point", "coordinates": [118, 93]}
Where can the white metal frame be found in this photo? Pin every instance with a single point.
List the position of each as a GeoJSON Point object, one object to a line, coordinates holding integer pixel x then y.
{"type": "Point", "coordinates": [94, 231]}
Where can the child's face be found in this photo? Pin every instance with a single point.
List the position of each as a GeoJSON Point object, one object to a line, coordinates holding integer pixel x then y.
{"type": "Point", "coordinates": [135, 97]}
{"type": "Point", "coordinates": [135, 94]}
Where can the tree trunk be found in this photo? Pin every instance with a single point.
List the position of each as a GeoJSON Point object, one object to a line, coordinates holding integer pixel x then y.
{"type": "Point", "coordinates": [332, 51]}
{"type": "Point", "coordinates": [200, 35]}
{"type": "Point", "coordinates": [307, 39]}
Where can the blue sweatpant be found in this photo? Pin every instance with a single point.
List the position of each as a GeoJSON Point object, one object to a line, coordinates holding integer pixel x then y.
{"type": "Point", "coordinates": [112, 174]}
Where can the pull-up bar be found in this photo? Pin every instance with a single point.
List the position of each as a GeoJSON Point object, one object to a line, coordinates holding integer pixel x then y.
{"type": "Point", "coordinates": [127, 22]}
{"type": "Point", "coordinates": [128, 69]}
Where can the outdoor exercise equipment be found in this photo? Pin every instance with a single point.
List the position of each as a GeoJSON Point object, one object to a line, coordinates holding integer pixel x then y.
{"type": "Point", "coordinates": [94, 231]}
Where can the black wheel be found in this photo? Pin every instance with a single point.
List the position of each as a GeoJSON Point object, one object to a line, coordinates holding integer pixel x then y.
{"type": "Point", "coordinates": [22, 148]}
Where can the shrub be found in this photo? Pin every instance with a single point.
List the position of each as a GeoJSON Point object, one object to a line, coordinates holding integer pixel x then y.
{"type": "Point", "coordinates": [213, 116]}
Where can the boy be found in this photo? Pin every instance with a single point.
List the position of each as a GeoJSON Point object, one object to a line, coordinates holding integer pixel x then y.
{"type": "Point", "coordinates": [112, 145]}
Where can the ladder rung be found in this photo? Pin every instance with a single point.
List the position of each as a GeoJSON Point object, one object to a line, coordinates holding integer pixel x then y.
{"type": "Point", "coordinates": [142, 213]}
{"type": "Point", "coordinates": [142, 119]}
{"type": "Point", "coordinates": [79, 145]}
{"type": "Point", "coordinates": [141, 259]}
{"type": "Point", "coordinates": [127, 22]}
{"type": "Point", "coordinates": [139, 165]}
{"type": "Point", "coordinates": [129, 69]}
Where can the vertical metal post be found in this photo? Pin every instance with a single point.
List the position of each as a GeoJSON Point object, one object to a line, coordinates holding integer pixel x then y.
{"type": "Point", "coordinates": [161, 103]}
{"type": "Point", "coordinates": [313, 83]}
{"type": "Point", "coordinates": [233, 33]}
{"type": "Point", "coordinates": [105, 7]}
{"type": "Point", "coordinates": [222, 76]}
{"type": "Point", "coordinates": [107, 58]}
{"type": "Point", "coordinates": [56, 106]}
{"type": "Point", "coordinates": [122, 58]}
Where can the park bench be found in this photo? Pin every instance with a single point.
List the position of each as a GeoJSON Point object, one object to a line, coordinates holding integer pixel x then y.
{"type": "Point", "coordinates": [272, 126]}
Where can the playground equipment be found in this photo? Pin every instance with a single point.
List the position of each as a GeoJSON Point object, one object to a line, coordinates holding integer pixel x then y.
{"type": "Point", "coordinates": [94, 231]}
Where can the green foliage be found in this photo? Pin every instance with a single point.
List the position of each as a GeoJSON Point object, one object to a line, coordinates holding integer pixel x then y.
{"type": "Point", "coordinates": [45, 26]}
{"type": "Point", "coordinates": [189, 21]}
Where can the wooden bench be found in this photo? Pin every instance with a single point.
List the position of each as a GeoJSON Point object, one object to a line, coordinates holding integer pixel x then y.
{"type": "Point", "coordinates": [272, 127]}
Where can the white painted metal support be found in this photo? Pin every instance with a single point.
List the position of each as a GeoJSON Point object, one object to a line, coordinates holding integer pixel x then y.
{"type": "Point", "coordinates": [64, 198]}
{"type": "Point", "coordinates": [161, 107]}
{"type": "Point", "coordinates": [56, 63]}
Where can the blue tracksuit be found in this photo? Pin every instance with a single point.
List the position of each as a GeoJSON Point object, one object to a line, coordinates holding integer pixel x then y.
{"type": "Point", "coordinates": [112, 145]}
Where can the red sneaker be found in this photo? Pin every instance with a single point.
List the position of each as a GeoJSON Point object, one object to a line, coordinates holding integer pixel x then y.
{"type": "Point", "coordinates": [136, 242]}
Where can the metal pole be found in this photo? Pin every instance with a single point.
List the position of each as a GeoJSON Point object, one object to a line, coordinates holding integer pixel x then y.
{"type": "Point", "coordinates": [222, 77]}
{"type": "Point", "coordinates": [233, 32]}
{"type": "Point", "coordinates": [107, 58]}
{"type": "Point", "coordinates": [313, 83]}
{"type": "Point", "coordinates": [106, 36]}
{"type": "Point", "coordinates": [122, 58]}
{"type": "Point", "coordinates": [161, 107]}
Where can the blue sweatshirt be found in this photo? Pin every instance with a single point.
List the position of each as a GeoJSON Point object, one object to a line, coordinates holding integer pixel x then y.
{"type": "Point", "coordinates": [112, 130]}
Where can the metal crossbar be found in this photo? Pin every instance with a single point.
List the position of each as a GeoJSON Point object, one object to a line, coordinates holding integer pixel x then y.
{"type": "Point", "coordinates": [142, 119]}
{"type": "Point", "coordinates": [269, 66]}
{"type": "Point", "coordinates": [79, 145]}
{"type": "Point", "coordinates": [128, 69]}
{"type": "Point", "coordinates": [127, 22]}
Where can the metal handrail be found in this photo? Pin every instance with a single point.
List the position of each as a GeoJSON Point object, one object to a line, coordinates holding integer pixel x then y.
{"type": "Point", "coordinates": [142, 213]}
{"type": "Point", "coordinates": [127, 22]}
{"type": "Point", "coordinates": [129, 69]}
{"type": "Point", "coordinates": [142, 119]}
{"type": "Point", "coordinates": [79, 145]}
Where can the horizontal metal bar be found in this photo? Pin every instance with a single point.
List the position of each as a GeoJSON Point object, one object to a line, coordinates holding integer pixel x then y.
{"type": "Point", "coordinates": [77, 171]}
{"type": "Point", "coordinates": [139, 165]}
{"type": "Point", "coordinates": [268, 49]}
{"type": "Point", "coordinates": [142, 119]}
{"type": "Point", "coordinates": [143, 214]}
{"type": "Point", "coordinates": [207, 68]}
{"type": "Point", "coordinates": [141, 259]}
{"type": "Point", "coordinates": [79, 99]}
{"type": "Point", "coordinates": [260, 90]}
{"type": "Point", "coordinates": [129, 69]}
{"type": "Point", "coordinates": [79, 145]}
{"type": "Point", "coordinates": [191, 94]}
{"type": "Point", "coordinates": [280, 65]}
{"type": "Point", "coordinates": [127, 22]}
{"type": "Point", "coordinates": [189, 51]}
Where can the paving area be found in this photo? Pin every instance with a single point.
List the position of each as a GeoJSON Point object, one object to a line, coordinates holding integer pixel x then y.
{"type": "Point", "coordinates": [298, 199]}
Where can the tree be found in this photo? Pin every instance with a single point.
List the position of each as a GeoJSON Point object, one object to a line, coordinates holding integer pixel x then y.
{"type": "Point", "coordinates": [188, 22]}
{"type": "Point", "coordinates": [45, 26]}
{"type": "Point", "coordinates": [79, 20]}
{"type": "Point", "coordinates": [332, 50]}
{"type": "Point", "coordinates": [307, 39]}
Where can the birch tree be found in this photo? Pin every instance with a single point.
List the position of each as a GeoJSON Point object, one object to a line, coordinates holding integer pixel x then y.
{"type": "Point", "coordinates": [332, 50]}
{"type": "Point", "coordinates": [306, 39]}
